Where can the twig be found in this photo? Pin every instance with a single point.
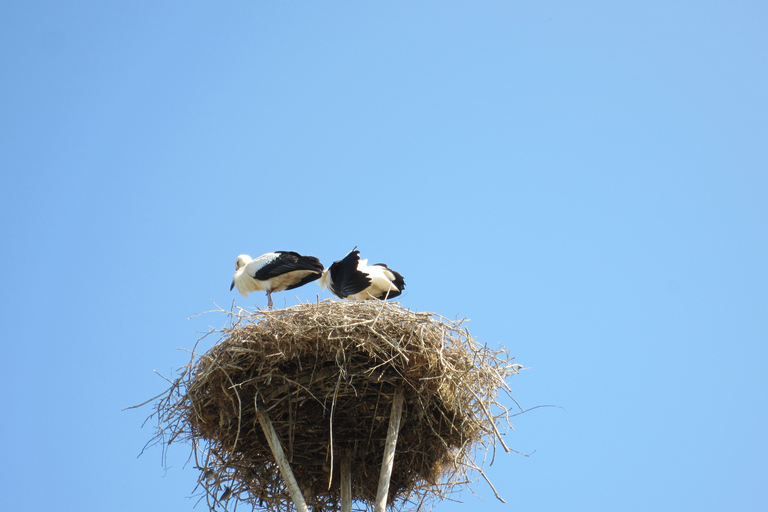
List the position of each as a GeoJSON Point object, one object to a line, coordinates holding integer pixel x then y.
{"type": "Point", "coordinates": [282, 462]}
{"type": "Point", "coordinates": [389, 451]}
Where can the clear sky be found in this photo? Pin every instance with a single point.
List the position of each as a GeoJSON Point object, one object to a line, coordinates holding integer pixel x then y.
{"type": "Point", "coordinates": [585, 181]}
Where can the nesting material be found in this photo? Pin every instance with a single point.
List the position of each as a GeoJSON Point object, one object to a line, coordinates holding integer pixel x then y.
{"type": "Point", "coordinates": [326, 373]}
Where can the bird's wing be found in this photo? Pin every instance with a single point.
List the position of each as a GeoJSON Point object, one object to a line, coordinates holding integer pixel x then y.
{"type": "Point", "coordinates": [395, 277]}
{"type": "Point", "coordinates": [278, 263]}
{"type": "Point", "coordinates": [346, 278]}
{"type": "Point", "coordinates": [387, 283]}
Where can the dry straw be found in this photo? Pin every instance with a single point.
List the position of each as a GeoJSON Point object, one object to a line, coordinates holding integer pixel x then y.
{"type": "Point", "coordinates": [326, 374]}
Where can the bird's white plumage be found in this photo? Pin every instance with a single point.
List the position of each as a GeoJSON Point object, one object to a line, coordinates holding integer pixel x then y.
{"type": "Point", "coordinates": [325, 280]}
{"type": "Point", "coordinates": [381, 281]}
{"type": "Point", "coordinates": [246, 267]}
{"type": "Point", "coordinates": [274, 272]}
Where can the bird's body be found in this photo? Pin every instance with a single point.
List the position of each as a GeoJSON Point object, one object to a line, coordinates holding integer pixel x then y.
{"type": "Point", "coordinates": [274, 272]}
{"type": "Point", "coordinates": [352, 278]}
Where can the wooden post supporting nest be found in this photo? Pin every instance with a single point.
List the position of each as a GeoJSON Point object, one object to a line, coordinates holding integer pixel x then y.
{"type": "Point", "coordinates": [346, 485]}
{"type": "Point", "coordinates": [282, 462]}
{"type": "Point", "coordinates": [389, 451]}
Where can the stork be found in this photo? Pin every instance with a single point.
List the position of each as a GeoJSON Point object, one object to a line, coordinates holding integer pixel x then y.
{"type": "Point", "coordinates": [352, 278]}
{"type": "Point", "coordinates": [274, 272]}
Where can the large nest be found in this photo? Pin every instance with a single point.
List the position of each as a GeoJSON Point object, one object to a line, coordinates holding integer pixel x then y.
{"type": "Point", "coordinates": [326, 374]}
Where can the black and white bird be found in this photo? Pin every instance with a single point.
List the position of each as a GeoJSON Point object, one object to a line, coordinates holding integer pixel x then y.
{"type": "Point", "coordinates": [274, 272]}
{"type": "Point", "coordinates": [353, 279]}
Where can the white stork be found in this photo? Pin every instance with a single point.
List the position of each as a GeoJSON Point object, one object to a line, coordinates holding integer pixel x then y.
{"type": "Point", "coordinates": [274, 272]}
{"type": "Point", "coordinates": [353, 279]}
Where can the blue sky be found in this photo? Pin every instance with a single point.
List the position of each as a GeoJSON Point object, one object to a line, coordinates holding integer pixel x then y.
{"type": "Point", "coordinates": [585, 181]}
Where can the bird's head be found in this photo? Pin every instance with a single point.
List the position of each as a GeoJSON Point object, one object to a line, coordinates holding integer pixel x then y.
{"type": "Point", "coordinates": [242, 261]}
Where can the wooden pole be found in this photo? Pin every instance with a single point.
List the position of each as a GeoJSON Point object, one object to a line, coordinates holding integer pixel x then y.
{"type": "Point", "coordinates": [389, 451]}
{"type": "Point", "coordinates": [346, 485]}
{"type": "Point", "coordinates": [282, 462]}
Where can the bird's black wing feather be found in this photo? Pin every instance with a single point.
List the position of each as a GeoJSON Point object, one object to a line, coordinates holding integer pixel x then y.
{"type": "Point", "coordinates": [398, 282]}
{"type": "Point", "coordinates": [287, 261]}
{"type": "Point", "coordinates": [345, 277]}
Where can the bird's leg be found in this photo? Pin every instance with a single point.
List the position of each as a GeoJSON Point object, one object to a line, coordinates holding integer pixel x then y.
{"type": "Point", "coordinates": [269, 299]}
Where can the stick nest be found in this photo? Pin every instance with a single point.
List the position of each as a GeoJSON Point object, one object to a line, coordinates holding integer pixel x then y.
{"type": "Point", "coordinates": [326, 374]}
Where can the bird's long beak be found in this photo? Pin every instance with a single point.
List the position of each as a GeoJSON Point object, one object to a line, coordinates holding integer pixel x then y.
{"type": "Point", "coordinates": [233, 285]}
